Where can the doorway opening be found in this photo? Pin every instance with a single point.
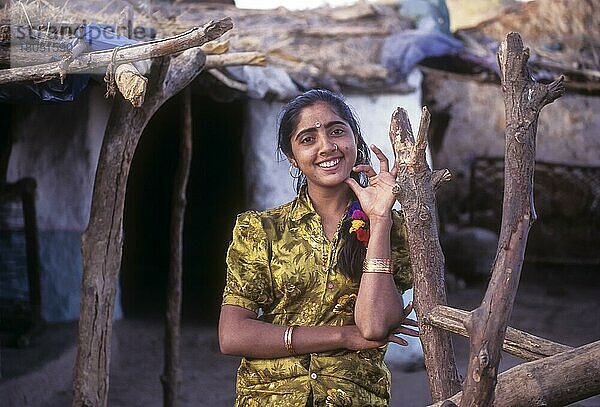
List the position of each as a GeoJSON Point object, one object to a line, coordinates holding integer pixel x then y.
{"type": "Point", "coordinates": [215, 195]}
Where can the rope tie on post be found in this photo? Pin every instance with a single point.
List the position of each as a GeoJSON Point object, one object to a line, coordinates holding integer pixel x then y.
{"type": "Point", "coordinates": [109, 78]}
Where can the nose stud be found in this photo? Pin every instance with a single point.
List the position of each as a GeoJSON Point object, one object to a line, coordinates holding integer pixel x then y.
{"type": "Point", "coordinates": [317, 124]}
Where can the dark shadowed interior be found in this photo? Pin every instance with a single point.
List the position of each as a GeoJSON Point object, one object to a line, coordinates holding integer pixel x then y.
{"type": "Point", "coordinates": [215, 196]}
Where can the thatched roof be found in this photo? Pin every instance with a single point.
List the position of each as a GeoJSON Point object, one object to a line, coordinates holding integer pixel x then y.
{"type": "Point", "coordinates": [323, 47]}
{"type": "Point", "coordinates": [341, 47]}
{"type": "Point", "coordinates": [563, 36]}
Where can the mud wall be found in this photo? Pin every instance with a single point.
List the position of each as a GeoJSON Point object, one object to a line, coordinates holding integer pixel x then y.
{"type": "Point", "coordinates": [468, 121]}
{"type": "Point", "coordinates": [58, 145]}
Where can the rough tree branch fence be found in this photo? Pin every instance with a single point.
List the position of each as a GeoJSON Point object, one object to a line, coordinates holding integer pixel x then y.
{"type": "Point", "coordinates": [543, 381]}
{"type": "Point", "coordinates": [523, 99]}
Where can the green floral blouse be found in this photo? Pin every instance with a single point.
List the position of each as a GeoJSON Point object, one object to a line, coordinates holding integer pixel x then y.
{"type": "Point", "coordinates": [275, 268]}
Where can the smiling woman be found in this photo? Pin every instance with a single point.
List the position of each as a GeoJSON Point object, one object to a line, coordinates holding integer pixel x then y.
{"type": "Point", "coordinates": [324, 153]}
{"type": "Point", "coordinates": [324, 272]}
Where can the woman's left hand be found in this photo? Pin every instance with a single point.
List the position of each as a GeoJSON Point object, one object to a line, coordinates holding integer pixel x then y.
{"type": "Point", "coordinates": [377, 198]}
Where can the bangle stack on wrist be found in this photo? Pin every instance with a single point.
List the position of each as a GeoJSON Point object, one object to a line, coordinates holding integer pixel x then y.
{"type": "Point", "coordinates": [287, 340]}
{"type": "Point", "coordinates": [382, 266]}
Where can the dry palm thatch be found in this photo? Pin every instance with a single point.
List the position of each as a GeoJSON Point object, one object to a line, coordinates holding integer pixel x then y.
{"type": "Point", "coordinates": [322, 47]}
{"type": "Point", "coordinates": [330, 47]}
{"type": "Point", "coordinates": [563, 35]}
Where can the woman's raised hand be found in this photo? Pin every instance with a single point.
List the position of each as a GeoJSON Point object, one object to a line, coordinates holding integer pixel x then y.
{"type": "Point", "coordinates": [377, 198]}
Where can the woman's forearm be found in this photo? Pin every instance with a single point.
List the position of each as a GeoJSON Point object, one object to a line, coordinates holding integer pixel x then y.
{"type": "Point", "coordinates": [379, 306]}
{"type": "Point", "coordinates": [241, 334]}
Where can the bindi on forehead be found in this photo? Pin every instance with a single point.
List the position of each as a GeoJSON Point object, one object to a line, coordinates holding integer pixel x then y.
{"type": "Point", "coordinates": [318, 116]}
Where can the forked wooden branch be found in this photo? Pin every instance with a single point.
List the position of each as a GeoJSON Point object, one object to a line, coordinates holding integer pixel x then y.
{"type": "Point", "coordinates": [418, 205]}
{"type": "Point", "coordinates": [557, 380]}
{"type": "Point", "coordinates": [524, 98]}
{"type": "Point", "coordinates": [517, 343]}
{"type": "Point", "coordinates": [194, 37]}
{"type": "Point", "coordinates": [102, 241]}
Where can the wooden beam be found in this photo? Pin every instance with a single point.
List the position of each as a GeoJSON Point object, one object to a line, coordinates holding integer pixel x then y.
{"type": "Point", "coordinates": [215, 47]}
{"type": "Point", "coordinates": [171, 378]}
{"type": "Point", "coordinates": [517, 343]}
{"type": "Point", "coordinates": [227, 81]}
{"type": "Point", "coordinates": [194, 37]}
{"type": "Point", "coordinates": [558, 380]}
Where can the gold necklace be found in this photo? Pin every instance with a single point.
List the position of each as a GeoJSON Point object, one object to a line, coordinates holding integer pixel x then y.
{"type": "Point", "coordinates": [327, 263]}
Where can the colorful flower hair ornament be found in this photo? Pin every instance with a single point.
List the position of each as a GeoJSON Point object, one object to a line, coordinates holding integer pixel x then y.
{"type": "Point", "coordinates": [359, 223]}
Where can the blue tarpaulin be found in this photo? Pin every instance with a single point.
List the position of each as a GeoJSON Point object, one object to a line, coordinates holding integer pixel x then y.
{"type": "Point", "coordinates": [402, 51]}
{"type": "Point", "coordinates": [430, 38]}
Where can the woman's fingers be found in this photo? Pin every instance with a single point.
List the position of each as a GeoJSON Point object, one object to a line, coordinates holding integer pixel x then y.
{"type": "Point", "coordinates": [406, 331]}
{"type": "Point", "coordinates": [383, 161]}
{"type": "Point", "coordinates": [383, 165]}
{"type": "Point", "coordinates": [409, 321]}
{"type": "Point", "coordinates": [367, 169]}
{"type": "Point", "coordinates": [398, 340]}
{"type": "Point", "coordinates": [408, 309]}
{"type": "Point", "coordinates": [354, 186]}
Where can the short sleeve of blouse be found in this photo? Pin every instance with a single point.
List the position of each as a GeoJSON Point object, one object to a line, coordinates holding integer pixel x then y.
{"type": "Point", "coordinates": [400, 254]}
{"type": "Point", "coordinates": [248, 265]}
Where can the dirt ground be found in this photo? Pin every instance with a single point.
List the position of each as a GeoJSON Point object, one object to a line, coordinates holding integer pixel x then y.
{"type": "Point", "coordinates": [562, 312]}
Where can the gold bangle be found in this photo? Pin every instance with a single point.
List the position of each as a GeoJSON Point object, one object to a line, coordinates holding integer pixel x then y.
{"type": "Point", "coordinates": [287, 340]}
{"type": "Point", "coordinates": [378, 272]}
{"type": "Point", "coordinates": [378, 266]}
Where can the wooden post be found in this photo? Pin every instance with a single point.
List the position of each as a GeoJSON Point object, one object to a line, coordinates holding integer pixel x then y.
{"type": "Point", "coordinates": [523, 98]}
{"type": "Point", "coordinates": [417, 183]}
{"type": "Point", "coordinates": [103, 239]}
{"type": "Point", "coordinates": [171, 377]}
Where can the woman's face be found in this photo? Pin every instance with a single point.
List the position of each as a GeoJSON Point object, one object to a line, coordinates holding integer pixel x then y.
{"type": "Point", "coordinates": [314, 142]}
